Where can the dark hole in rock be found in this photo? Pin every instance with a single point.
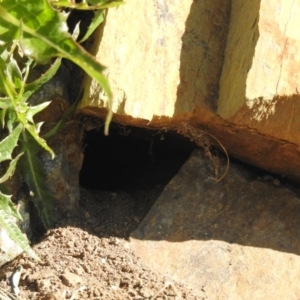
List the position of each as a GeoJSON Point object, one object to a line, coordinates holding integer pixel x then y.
{"type": "Point", "coordinates": [132, 158]}
{"type": "Point", "coordinates": [124, 173]}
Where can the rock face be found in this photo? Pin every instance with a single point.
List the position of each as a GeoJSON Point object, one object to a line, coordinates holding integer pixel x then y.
{"type": "Point", "coordinates": [60, 175]}
{"type": "Point", "coordinates": [233, 239]}
{"type": "Point", "coordinates": [165, 61]}
{"type": "Point", "coordinates": [226, 67]}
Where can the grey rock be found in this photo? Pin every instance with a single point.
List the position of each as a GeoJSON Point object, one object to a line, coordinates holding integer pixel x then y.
{"type": "Point", "coordinates": [233, 239]}
{"type": "Point", "coordinates": [61, 174]}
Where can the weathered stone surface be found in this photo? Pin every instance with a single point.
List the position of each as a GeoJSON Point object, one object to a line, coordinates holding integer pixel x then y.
{"type": "Point", "coordinates": [168, 67]}
{"type": "Point", "coordinates": [260, 78]}
{"type": "Point", "coordinates": [165, 60]}
{"type": "Point", "coordinates": [61, 174]}
{"type": "Point", "coordinates": [235, 239]}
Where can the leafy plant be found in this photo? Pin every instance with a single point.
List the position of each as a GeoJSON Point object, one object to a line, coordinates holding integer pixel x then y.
{"type": "Point", "coordinates": [33, 33]}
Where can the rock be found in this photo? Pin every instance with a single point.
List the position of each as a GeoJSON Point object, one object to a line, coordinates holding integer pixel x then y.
{"type": "Point", "coordinates": [233, 239]}
{"type": "Point", "coordinates": [43, 284]}
{"type": "Point", "coordinates": [61, 173]}
{"type": "Point", "coordinates": [70, 279]}
{"type": "Point", "coordinates": [264, 96]}
{"type": "Point", "coordinates": [169, 67]}
{"type": "Point", "coordinates": [164, 61]}
{"type": "Point", "coordinates": [145, 292]}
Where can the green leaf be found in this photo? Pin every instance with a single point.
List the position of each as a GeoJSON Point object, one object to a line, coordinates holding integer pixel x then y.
{"type": "Point", "coordinates": [97, 20]}
{"type": "Point", "coordinates": [13, 71]}
{"type": "Point", "coordinates": [32, 24]}
{"type": "Point", "coordinates": [96, 4]}
{"type": "Point", "coordinates": [7, 205]}
{"type": "Point", "coordinates": [4, 103]}
{"type": "Point", "coordinates": [7, 212]}
{"type": "Point", "coordinates": [8, 144]}
{"type": "Point", "coordinates": [11, 118]}
{"type": "Point", "coordinates": [6, 85]}
{"type": "Point", "coordinates": [33, 110]}
{"type": "Point", "coordinates": [34, 129]}
{"type": "Point", "coordinates": [43, 34]}
{"type": "Point", "coordinates": [11, 169]}
{"type": "Point", "coordinates": [32, 172]}
{"type": "Point", "coordinates": [2, 117]}
{"type": "Point", "coordinates": [108, 4]}
{"type": "Point", "coordinates": [32, 87]}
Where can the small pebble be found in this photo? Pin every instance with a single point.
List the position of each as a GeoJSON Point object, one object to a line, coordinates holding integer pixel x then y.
{"type": "Point", "coordinates": [267, 177]}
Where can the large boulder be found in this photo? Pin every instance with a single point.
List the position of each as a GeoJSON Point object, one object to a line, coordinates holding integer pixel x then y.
{"type": "Point", "coordinates": [226, 67]}
{"type": "Point", "coordinates": [233, 239]}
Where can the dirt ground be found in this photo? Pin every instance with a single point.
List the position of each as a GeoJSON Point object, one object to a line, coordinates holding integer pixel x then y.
{"type": "Point", "coordinates": [88, 256]}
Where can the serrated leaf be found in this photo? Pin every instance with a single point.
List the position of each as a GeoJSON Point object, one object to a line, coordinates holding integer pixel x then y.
{"type": "Point", "coordinates": [45, 34]}
{"type": "Point", "coordinates": [42, 33]}
{"type": "Point", "coordinates": [14, 72]}
{"type": "Point", "coordinates": [11, 168]}
{"type": "Point", "coordinates": [9, 208]}
{"type": "Point", "coordinates": [8, 144]}
{"type": "Point", "coordinates": [6, 86]}
{"type": "Point", "coordinates": [32, 87]}
{"type": "Point", "coordinates": [7, 222]}
{"type": "Point", "coordinates": [33, 129]}
{"type": "Point", "coordinates": [11, 118]}
{"type": "Point", "coordinates": [97, 20]}
{"type": "Point", "coordinates": [32, 171]}
{"type": "Point", "coordinates": [33, 110]}
{"type": "Point", "coordinates": [32, 25]}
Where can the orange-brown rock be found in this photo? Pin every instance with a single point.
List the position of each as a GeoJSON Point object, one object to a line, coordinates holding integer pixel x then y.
{"type": "Point", "coordinates": [227, 67]}
{"type": "Point", "coordinates": [233, 239]}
